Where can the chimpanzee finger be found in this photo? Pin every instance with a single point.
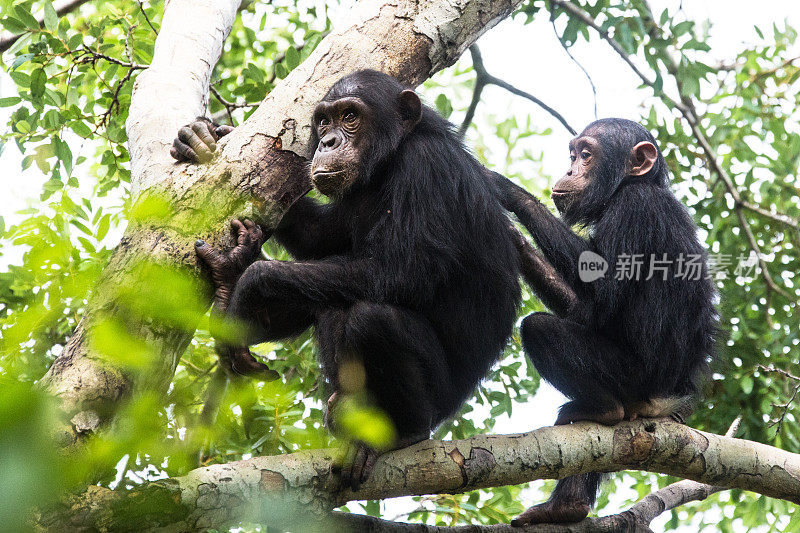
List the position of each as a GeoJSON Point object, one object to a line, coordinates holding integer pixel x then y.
{"type": "Point", "coordinates": [205, 132]}
{"type": "Point", "coordinates": [256, 234]}
{"type": "Point", "coordinates": [187, 136]}
{"type": "Point", "coordinates": [222, 131]}
{"type": "Point", "coordinates": [182, 152]}
{"type": "Point", "coordinates": [239, 232]}
{"type": "Point", "coordinates": [207, 254]}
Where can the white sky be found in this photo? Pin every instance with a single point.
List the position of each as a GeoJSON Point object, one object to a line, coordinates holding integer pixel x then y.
{"type": "Point", "coordinates": [531, 58]}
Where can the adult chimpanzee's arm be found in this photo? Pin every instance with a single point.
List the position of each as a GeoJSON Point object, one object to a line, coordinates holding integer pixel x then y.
{"type": "Point", "coordinates": [544, 280]}
{"type": "Point", "coordinates": [559, 244]}
{"type": "Point", "coordinates": [310, 230]}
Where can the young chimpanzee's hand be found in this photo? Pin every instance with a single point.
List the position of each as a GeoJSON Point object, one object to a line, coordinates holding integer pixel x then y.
{"type": "Point", "coordinates": [227, 267]}
{"type": "Point", "coordinates": [197, 141]}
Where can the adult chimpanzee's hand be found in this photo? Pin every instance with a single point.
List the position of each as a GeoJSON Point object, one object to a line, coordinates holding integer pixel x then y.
{"type": "Point", "coordinates": [197, 141]}
{"type": "Point", "coordinates": [227, 267]}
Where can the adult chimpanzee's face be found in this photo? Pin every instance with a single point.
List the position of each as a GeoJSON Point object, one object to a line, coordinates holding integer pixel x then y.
{"type": "Point", "coordinates": [342, 127]}
{"type": "Point", "coordinates": [584, 152]}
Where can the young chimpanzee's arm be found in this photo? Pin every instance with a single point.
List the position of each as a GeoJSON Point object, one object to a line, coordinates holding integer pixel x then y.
{"type": "Point", "coordinates": [559, 244]}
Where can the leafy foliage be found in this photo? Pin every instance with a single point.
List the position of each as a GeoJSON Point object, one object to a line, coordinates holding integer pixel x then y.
{"type": "Point", "coordinates": [72, 80]}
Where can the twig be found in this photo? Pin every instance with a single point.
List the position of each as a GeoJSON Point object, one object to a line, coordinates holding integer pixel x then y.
{"type": "Point", "coordinates": [574, 60]}
{"type": "Point", "coordinates": [144, 13]}
{"type": "Point", "coordinates": [784, 406]}
{"type": "Point", "coordinates": [484, 78]}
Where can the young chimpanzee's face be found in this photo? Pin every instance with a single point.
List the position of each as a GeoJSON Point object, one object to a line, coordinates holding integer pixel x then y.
{"type": "Point", "coordinates": [342, 127]}
{"type": "Point", "coordinates": [584, 154]}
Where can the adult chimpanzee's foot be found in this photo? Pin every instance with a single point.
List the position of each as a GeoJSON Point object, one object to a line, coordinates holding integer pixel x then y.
{"type": "Point", "coordinates": [553, 512]}
{"type": "Point", "coordinates": [357, 465]}
{"type": "Point", "coordinates": [240, 361]}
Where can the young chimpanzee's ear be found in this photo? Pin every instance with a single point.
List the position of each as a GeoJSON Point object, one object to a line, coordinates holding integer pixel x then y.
{"type": "Point", "coordinates": [410, 109]}
{"type": "Point", "coordinates": [643, 157]}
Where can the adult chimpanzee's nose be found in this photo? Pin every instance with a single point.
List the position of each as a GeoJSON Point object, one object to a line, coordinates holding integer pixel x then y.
{"type": "Point", "coordinates": [331, 141]}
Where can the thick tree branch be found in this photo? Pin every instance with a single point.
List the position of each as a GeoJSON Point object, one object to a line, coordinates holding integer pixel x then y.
{"type": "Point", "coordinates": [284, 490]}
{"type": "Point", "coordinates": [260, 169]}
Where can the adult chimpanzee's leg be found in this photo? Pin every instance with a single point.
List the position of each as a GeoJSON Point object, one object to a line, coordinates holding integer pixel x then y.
{"type": "Point", "coordinates": [567, 356]}
{"type": "Point", "coordinates": [405, 375]}
{"type": "Point", "coordinates": [278, 299]}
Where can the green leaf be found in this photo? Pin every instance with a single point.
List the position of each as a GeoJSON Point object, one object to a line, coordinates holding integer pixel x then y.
{"type": "Point", "coordinates": [23, 126]}
{"type": "Point", "coordinates": [50, 17]}
{"type": "Point", "coordinates": [9, 101]}
{"type": "Point", "coordinates": [292, 57]}
{"type": "Point", "coordinates": [24, 15]}
{"type": "Point", "coordinates": [20, 59]}
{"type": "Point", "coordinates": [13, 25]}
{"type": "Point", "coordinates": [102, 229]}
{"type": "Point", "coordinates": [38, 81]}
{"type": "Point", "coordinates": [2, 226]}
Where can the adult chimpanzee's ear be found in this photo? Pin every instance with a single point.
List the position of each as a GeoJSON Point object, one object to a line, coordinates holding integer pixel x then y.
{"type": "Point", "coordinates": [410, 108]}
{"type": "Point", "coordinates": [643, 157]}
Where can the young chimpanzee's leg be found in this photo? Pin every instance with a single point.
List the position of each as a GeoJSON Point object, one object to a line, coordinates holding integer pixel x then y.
{"type": "Point", "coordinates": [566, 355]}
{"type": "Point", "coordinates": [569, 357]}
{"type": "Point", "coordinates": [405, 373]}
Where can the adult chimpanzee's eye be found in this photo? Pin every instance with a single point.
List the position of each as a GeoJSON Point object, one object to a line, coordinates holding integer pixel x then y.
{"type": "Point", "coordinates": [324, 121]}
{"type": "Point", "coordinates": [350, 116]}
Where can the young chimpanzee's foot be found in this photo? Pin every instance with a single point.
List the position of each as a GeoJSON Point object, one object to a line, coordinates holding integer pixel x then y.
{"type": "Point", "coordinates": [573, 411]}
{"type": "Point", "coordinates": [553, 512]}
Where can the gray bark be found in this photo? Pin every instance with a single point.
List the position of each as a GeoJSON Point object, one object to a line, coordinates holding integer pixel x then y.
{"type": "Point", "coordinates": [297, 491]}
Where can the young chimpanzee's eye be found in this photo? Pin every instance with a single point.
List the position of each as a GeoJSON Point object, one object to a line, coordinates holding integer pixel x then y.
{"type": "Point", "coordinates": [350, 116]}
{"type": "Point", "coordinates": [572, 157]}
{"type": "Point", "coordinates": [586, 154]}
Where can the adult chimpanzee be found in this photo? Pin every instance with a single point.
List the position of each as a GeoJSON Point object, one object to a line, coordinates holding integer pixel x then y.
{"type": "Point", "coordinates": [635, 342]}
{"type": "Point", "coordinates": [410, 270]}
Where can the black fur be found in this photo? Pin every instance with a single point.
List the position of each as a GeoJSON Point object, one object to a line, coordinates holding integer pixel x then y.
{"type": "Point", "coordinates": [629, 340]}
{"type": "Point", "coordinates": [412, 270]}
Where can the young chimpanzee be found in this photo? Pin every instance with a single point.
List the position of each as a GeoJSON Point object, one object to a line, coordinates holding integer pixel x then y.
{"type": "Point", "coordinates": [410, 271]}
{"type": "Point", "coordinates": [637, 339]}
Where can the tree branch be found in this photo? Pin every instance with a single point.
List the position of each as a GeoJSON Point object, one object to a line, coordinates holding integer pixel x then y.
{"type": "Point", "coordinates": [483, 78]}
{"type": "Point", "coordinates": [283, 490]}
{"type": "Point", "coordinates": [7, 39]}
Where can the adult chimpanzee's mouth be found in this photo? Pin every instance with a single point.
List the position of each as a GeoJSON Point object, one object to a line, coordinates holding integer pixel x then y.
{"type": "Point", "coordinates": [325, 173]}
